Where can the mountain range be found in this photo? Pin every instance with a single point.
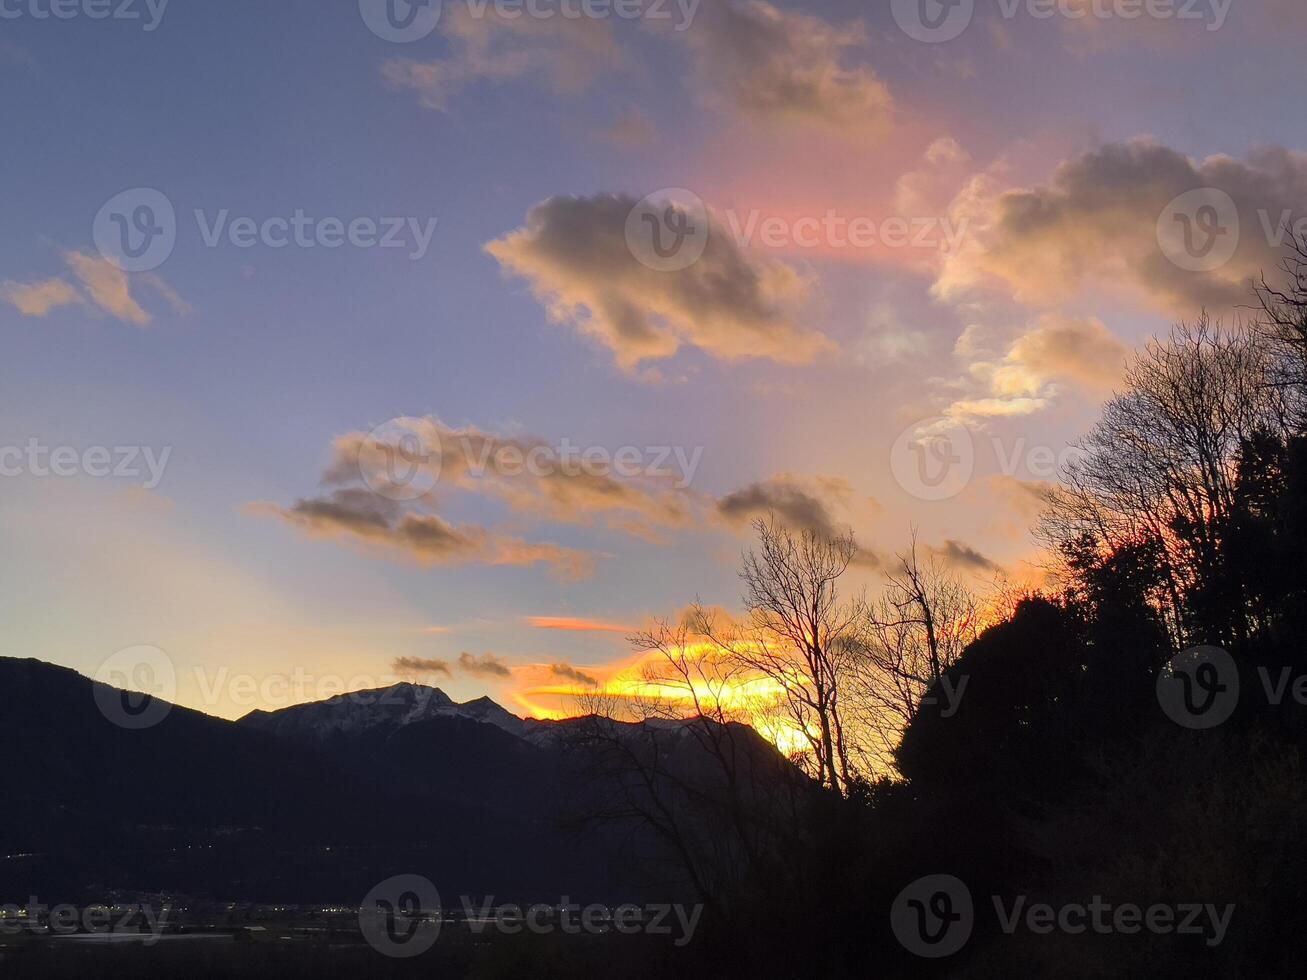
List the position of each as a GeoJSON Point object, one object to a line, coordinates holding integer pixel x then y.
{"type": "Point", "coordinates": [311, 803]}
{"type": "Point", "coordinates": [386, 708]}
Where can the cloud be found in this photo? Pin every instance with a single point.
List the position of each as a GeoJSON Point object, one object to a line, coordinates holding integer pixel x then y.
{"type": "Point", "coordinates": [486, 665]}
{"type": "Point", "coordinates": [995, 408]}
{"type": "Point", "coordinates": [1056, 350]}
{"type": "Point", "coordinates": [419, 665]}
{"type": "Point", "coordinates": [785, 69]}
{"type": "Point", "coordinates": [568, 53]}
{"type": "Point", "coordinates": [108, 286]}
{"type": "Point", "coordinates": [769, 66]}
{"type": "Point", "coordinates": [573, 252]}
{"type": "Point", "coordinates": [929, 189]}
{"type": "Point", "coordinates": [383, 526]}
{"type": "Point", "coordinates": [39, 298]}
{"type": "Point", "coordinates": [1096, 222]}
{"type": "Point", "coordinates": [800, 504]}
{"type": "Point", "coordinates": [567, 672]}
{"type": "Point", "coordinates": [576, 624]}
{"type": "Point", "coordinates": [362, 504]}
{"type": "Point", "coordinates": [1084, 352]}
{"type": "Point", "coordinates": [527, 473]}
{"type": "Point", "coordinates": [963, 555]}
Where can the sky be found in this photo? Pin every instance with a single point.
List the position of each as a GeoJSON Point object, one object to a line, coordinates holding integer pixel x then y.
{"type": "Point", "coordinates": [250, 251]}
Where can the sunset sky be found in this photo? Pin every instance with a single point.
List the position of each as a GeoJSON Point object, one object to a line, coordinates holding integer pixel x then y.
{"type": "Point", "coordinates": [1030, 161]}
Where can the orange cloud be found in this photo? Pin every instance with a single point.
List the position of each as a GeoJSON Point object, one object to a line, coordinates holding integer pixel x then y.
{"type": "Point", "coordinates": [569, 54]}
{"type": "Point", "coordinates": [1101, 220]}
{"type": "Point", "coordinates": [730, 304]}
{"type": "Point", "coordinates": [39, 298]}
{"type": "Point", "coordinates": [576, 624]}
{"type": "Point", "coordinates": [787, 69]}
{"type": "Point", "coordinates": [109, 287]}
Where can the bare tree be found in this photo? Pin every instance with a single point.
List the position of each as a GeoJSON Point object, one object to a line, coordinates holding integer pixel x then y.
{"type": "Point", "coordinates": [917, 630]}
{"type": "Point", "coordinates": [678, 756]}
{"type": "Point", "coordinates": [800, 635]}
{"type": "Point", "coordinates": [1161, 463]}
{"type": "Point", "coordinates": [1283, 324]}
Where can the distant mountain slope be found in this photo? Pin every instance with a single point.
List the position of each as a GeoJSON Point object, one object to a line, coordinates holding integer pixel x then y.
{"type": "Point", "coordinates": [84, 775]}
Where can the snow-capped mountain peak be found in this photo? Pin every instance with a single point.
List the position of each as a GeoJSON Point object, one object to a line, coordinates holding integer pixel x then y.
{"type": "Point", "coordinates": [387, 708]}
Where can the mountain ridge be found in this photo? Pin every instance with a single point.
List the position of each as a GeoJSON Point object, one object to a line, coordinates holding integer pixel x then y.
{"type": "Point", "coordinates": [390, 708]}
{"type": "Point", "coordinates": [315, 801]}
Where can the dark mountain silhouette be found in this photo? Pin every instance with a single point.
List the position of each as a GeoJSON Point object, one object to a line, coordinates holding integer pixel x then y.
{"type": "Point", "coordinates": [315, 802]}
